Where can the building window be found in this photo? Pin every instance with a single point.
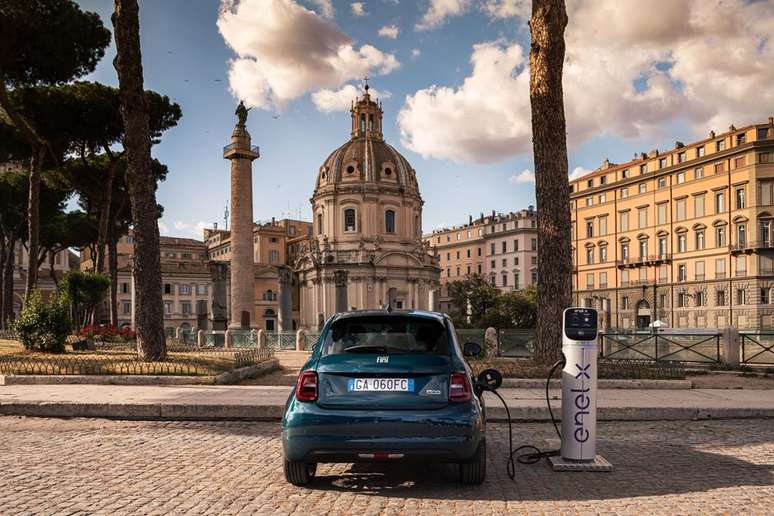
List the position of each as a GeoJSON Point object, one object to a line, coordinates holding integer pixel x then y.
{"type": "Point", "coordinates": [720, 145]}
{"type": "Point", "coordinates": [680, 157]}
{"type": "Point", "coordinates": [698, 173]}
{"type": "Point", "coordinates": [700, 301]}
{"type": "Point", "coordinates": [642, 188]}
{"type": "Point", "coordinates": [505, 279]}
{"type": "Point", "coordinates": [534, 244]}
{"type": "Point", "coordinates": [681, 300]}
{"type": "Point", "coordinates": [492, 249]}
{"type": "Point", "coordinates": [720, 167]}
{"type": "Point", "coordinates": [389, 222]}
{"type": "Point", "coordinates": [642, 218]}
{"type": "Point", "coordinates": [765, 295]}
{"type": "Point", "coordinates": [624, 193]}
{"type": "Point", "coordinates": [533, 260]}
{"type": "Point", "coordinates": [720, 297]}
{"type": "Point", "coordinates": [720, 268]}
{"type": "Point", "coordinates": [624, 251]}
{"type": "Point", "coordinates": [698, 206]}
{"type": "Point", "coordinates": [589, 229]}
{"type": "Point", "coordinates": [720, 202]}
{"type": "Point", "coordinates": [590, 281]}
{"type": "Point", "coordinates": [201, 290]}
{"type": "Point", "coordinates": [762, 133]}
{"type": "Point", "coordinates": [720, 236]}
{"type": "Point", "coordinates": [741, 297]}
{"type": "Point", "coordinates": [680, 210]}
{"type": "Point", "coordinates": [126, 307]}
{"type": "Point", "coordinates": [740, 162]}
{"type": "Point", "coordinates": [603, 279]}
{"type": "Point", "coordinates": [624, 173]}
{"type": "Point", "coordinates": [602, 226]}
{"type": "Point", "coordinates": [624, 222]}
{"type": "Point", "coordinates": [700, 151]}
{"type": "Point", "coordinates": [590, 183]}
{"type": "Point", "coordinates": [740, 198]}
{"type": "Point", "coordinates": [602, 254]}
{"type": "Point", "coordinates": [603, 180]}
{"type": "Point", "coordinates": [124, 287]}
{"type": "Point", "coordinates": [184, 290]}
{"type": "Point", "coordinates": [681, 272]}
{"type": "Point", "coordinates": [699, 240]}
{"type": "Point", "coordinates": [698, 271]}
{"type": "Point", "coordinates": [185, 308]}
{"type": "Point", "coordinates": [589, 201]}
{"type": "Point", "coordinates": [643, 168]}
{"type": "Point", "coordinates": [515, 260]}
{"type": "Point", "coordinates": [602, 198]}
{"type": "Point", "coordinates": [624, 302]}
{"type": "Point", "coordinates": [167, 307]}
{"type": "Point", "coordinates": [478, 250]}
{"type": "Point", "coordinates": [468, 252]}
{"type": "Point", "coordinates": [741, 265]}
{"type": "Point", "coordinates": [515, 245]}
{"type": "Point", "coordinates": [505, 262]}
{"type": "Point", "coordinates": [741, 235]}
{"type": "Point", "coordinates": [662, 182]}
{"type": "Point", "coordinates": [590, 255]}
{"type": "Point", "coordinates": [680, 178]}
{"type": "Point", "coordinates": [662, 163]}
{"type": "Point", "coordinates": [643, 249]}
{"type": "Point", "coordinates": [662, 213]}
{"type": "Point", "coordinates": [349, 220]}
{"type": "Point", "coordinates": [534, 277]}
{"type": "Point", "coordinates": [273, 256]}
{"type": "Point", "coordinates": [662, 246]}
{"type": "Point", "coordinates": [681, 243]}
{"type": "Point", "coordinates": [505, 246]}
{"type": "Point", "coordinates": [167, 288]}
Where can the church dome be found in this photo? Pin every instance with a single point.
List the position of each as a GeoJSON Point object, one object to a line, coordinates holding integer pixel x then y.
{"type": "Point", "coordinates": [366, 157]}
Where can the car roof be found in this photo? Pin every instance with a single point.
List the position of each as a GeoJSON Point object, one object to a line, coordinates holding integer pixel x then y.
{"type": "Point", "coordinates": [354, 314]}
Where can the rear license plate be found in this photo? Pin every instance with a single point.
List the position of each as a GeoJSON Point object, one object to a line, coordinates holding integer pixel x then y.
{"type": "Point", "coordinates": [380, 384]}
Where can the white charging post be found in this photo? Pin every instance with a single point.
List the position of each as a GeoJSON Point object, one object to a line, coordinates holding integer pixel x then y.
{"type": "Point", "coordinates": [579, 394]}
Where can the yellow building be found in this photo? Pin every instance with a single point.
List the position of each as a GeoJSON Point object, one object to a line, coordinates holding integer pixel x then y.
{"type": "Point", "coordinates": [682, 236]}
{"type": "Point", "coordinates": [501, 247]}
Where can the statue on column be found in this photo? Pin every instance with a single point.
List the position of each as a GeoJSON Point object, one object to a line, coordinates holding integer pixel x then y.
{"type": "Point", "coordinates": [241, 113]}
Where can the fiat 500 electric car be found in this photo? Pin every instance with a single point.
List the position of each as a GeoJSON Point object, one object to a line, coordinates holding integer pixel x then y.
{"type": "Point", "coordinates": [386, 386]}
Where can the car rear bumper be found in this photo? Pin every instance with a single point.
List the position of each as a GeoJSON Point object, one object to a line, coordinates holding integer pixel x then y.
{"type": "Point", "coordinates": [314, 434]}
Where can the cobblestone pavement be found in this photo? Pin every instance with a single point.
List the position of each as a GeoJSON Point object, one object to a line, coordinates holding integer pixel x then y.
{"type": "Point", "coordinates": [116, 467]}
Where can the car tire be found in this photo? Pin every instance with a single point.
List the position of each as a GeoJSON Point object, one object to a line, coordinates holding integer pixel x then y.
{"type": "Point", "coordinates": [299, 473]}
{"type": "Point", "coordinates": [474, 471]}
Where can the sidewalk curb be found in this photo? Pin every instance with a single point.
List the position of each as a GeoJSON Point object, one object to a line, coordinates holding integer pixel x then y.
{"type": "Point", "coordinates": [537, 383]}
{"type": "Point", "coordinates": [212, 412]}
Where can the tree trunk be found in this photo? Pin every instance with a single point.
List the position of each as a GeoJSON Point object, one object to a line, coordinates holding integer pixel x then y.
{"type": "Point", "coordinates": [141, 183]}
{"type": "Point", "coordinates": [2, 282]}
{"type": "Point", "coordinates": [33, 217]}
{"type": "Point", "coordinates": [104, 216]}
{"type": "Point", "coordinates": [7, 272]}
{"type": "Point", "coordinates": [549, 143]}
{"type": "Point", "coordinates": [113, 270]}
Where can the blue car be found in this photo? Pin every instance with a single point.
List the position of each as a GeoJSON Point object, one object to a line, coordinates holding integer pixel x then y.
{"type": "Point", "coordinates": [384, 386]}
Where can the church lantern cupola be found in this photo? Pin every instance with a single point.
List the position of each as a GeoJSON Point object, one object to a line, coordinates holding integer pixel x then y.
{"type": "Point", "coordinates": [366, 117]}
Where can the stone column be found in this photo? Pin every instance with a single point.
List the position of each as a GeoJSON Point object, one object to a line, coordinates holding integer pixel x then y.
{"type": "Point", "coordinates": [432, 299]}
{"type": "Point", "coordinates": [241, 154]}
{"type": "Point", "coordinates": [285, 316]}
{"type": "Point", "coordinates": [730, 346]}
{"type": "Point", "coordinates": [340, 280]}
{"type": "Point", "coordinates": [219, 309]}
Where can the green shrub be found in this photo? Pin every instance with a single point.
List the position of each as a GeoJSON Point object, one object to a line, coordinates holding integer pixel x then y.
{"type": "Point", "coordinates": [43, 326]}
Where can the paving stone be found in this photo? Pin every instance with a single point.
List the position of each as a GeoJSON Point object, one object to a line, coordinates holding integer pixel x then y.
{"type": "Point", "coordinates": [88, 466]}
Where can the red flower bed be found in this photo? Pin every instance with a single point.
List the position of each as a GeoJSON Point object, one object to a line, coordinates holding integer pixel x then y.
{"type": "Point", "coordinates": [107, 333]}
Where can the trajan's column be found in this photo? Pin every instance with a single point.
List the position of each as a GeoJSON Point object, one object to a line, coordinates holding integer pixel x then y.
{"type": "Point", "coordinates": [241, 154]}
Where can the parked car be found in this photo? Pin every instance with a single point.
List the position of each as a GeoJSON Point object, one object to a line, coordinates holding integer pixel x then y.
{"type": "Point", "coordinates": [385, 386]}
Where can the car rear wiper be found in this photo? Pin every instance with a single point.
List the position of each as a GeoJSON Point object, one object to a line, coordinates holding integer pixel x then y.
{"type": "Point", "coordinates": [365, 348]}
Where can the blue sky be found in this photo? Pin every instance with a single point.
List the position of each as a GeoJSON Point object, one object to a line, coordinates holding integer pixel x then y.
{"type": "Point", "coordinates": [457, 101]}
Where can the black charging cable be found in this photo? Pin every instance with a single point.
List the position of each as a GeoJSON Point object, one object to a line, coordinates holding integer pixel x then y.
{"type": "Point", "coordinates": [533, 456]}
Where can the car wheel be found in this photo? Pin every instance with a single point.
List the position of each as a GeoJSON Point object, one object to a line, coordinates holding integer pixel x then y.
{"type": "Point", "coordinates": [299, 473]}
{"type": "Point", "coordinates": [474, 471]}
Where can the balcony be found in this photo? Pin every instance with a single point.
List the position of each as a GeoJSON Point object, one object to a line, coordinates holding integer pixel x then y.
{"type": "Point", "coordinates": [652, 259]}
{"type": "Point", "coordinates": [750, 246]}
{"type": "Point", "coordinates": [238, 149]}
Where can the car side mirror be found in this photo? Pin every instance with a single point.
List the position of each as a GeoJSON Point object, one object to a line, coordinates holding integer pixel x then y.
{"type": "Point", "coordinates": [471, 349]}
{"type": "Point", "coordinates": [490, 379]}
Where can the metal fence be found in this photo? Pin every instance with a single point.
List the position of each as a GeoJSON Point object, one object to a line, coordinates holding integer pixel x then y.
{"type": "Point", "coordinates": [757, 348]}
{"type": "Point", "coordinates": [518, 343]}
{"type": "Point", "coordinates": [661, 347]}
{"type": "Point", "coordinates": [281, 341]}
{"type": "Point", "coordinates": [471, 335]}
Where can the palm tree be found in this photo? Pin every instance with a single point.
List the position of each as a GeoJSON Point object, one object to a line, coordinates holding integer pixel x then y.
{"type": "Point", "coordinates": [141, 182]}
{"type": "Point", "coordinates": [549, 143]}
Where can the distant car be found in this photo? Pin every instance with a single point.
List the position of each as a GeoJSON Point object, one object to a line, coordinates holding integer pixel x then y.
{"type": "Point", "coordinates": [386, 387]}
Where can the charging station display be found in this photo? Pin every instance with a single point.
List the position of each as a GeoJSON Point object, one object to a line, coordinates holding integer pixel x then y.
{"type": "Point", "coordinates": [579, 385]}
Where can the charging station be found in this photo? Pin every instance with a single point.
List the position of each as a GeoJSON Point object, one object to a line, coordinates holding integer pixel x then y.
{"type": "Point", "coordinates": [579, 394]}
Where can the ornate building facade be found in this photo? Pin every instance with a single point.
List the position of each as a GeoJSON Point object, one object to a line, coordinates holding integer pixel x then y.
{"type": "Point", "coordinates": [366, 251]}
{"type": "Point", "coordinates": [683, 236]}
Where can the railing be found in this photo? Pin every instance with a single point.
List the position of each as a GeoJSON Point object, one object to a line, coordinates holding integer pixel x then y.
{"type": "Point", "coordinates": [751, 245]}
{"type": "Point", "coordinates": [661, 347]}
{"type": "Point", "coordinates": [238, 146]}
{"type": "Point", "coordinates": [280, 341]}
{"type": "Point", "coordinates": [471, 335]}
{"type": "Point", "coordinates": [7, 335]}
{"type": "Point", "coordinates": [757, 348]}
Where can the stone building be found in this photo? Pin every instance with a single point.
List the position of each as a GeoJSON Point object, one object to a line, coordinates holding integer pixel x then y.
{"type": "Point", "coordinates": [367, 249]}
{"type": "Point", "coordinates": [683, 236]}
{"type": "Point", "coordinates": [501, 247]}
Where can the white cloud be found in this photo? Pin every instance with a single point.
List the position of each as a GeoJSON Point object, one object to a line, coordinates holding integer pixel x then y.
{"type": "Point", "coordinates": [525, 176]}
{"type": "Point", "coordinates": [495, 118]}
{"type": "Point", "coordinates": [507, 8]}
{"type": "Point", "coordinates": [285, 51]}
{"type": "Point", "coordinates": [341, 99]}
{"type": "Point", "coordinates": [358, 9]}
{"type": "Point", "coordinates": [185, 229]}
{"type": "Point", "coordinates": [325, 6]}
{"type": "Point", "coordinates": [626, 73]}
{"type": "Point", "coordinates": [439, 10]}
{"type": "Point", "coordinates": [579, 172]}
{"type": "Point", "coordinates": [415, 52]}
{"type": "Point", "coordinates": [163, 229]}
{"type": "Point", "coordinates": [389, 31]}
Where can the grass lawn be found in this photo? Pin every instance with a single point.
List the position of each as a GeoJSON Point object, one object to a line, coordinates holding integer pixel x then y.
{"type": "Point", "coordinates": [14, 359]}
{"type": "Point", "coordinates": [527, 368]}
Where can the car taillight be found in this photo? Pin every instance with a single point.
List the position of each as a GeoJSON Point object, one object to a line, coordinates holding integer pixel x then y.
{"type": "Point", "coordinates": [459, 387]}
{"type": "Point", "coordinates": [306, 386]}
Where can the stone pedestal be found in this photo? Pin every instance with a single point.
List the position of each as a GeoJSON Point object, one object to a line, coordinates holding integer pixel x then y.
{"type": "Point", "coordinates": [340, 281]}
{"type": "Point", "coordinates": [241, 154]}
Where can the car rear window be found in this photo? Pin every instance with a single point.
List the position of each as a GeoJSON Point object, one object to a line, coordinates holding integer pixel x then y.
{"type": "Point", "coordinates": [386, 334]}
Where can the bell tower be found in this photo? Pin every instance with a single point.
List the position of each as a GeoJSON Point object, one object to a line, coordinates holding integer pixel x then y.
{"type": "Point", "coordinates": [366, 117]}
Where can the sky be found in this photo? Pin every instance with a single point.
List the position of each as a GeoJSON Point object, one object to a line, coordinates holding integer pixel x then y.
{"type": "Point", "coordinates": [453, 77]}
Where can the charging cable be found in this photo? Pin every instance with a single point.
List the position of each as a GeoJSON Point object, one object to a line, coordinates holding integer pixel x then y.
{"type": "Point", "coordinates": [533, 456]}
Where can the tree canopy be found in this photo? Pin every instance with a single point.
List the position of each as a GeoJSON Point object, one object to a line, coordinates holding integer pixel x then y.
{"type": "Point", "coordinates": [476, 303]}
